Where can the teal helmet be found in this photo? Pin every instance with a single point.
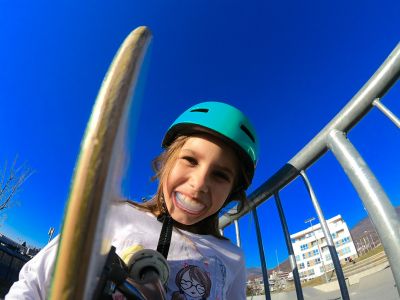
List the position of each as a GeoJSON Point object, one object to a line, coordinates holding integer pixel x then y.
{"type": "Point", "coordinates": [224, 121]}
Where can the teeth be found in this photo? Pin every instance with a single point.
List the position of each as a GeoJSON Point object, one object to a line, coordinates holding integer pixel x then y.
{"type": "Point", "coordinates": [188, 204]}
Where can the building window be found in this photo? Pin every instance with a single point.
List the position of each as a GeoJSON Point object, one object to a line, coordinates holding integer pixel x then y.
{"type": "Point", "coordinates": [304, 247]}
{"type": "Point", "coordinates": [346, 250]}
{"type": "Point", "coordinates": [297, 257]}
{"type": "Point", "coordinates": [346, 240]}
{"type": "Point", "coordinates": [315, 252]}
{"type": "Point", "coordinates": [328, 257]}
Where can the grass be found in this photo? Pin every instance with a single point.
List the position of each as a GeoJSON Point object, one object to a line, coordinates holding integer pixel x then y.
{"type": "Point", "coordinates": [370, 253]}
{"type": "Point", "coordinates": [321, 279]}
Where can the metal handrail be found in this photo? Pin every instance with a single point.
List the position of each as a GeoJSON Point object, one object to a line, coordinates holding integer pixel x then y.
{"type": "Point", "coordinates": [333, 137]}
{"type": "Point", "coordinates": [375, 88]}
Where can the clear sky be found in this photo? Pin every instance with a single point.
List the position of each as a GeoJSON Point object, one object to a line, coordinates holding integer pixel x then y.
{"type": "Point", "coordinates": [289, 65]}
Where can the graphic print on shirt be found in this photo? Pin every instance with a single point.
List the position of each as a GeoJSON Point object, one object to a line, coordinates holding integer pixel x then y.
{"type": "Point", "coordinates": [198, 280]}
{"type": "Point", "coordinates": [193, 283]}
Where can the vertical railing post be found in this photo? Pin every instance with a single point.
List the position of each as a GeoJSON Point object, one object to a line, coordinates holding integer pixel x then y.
{"type": "Point", "coordinates": [386, 111]}
{"type": "Point", "coordinates": [376, 202]}
{"type": "Point", "coordinates": [325, 229]}
{"type": "Point", "coordinates": [289, 246]}
{"type": "Point", "coordinates": [237, 231]}
{"type": "Point", "coordinates": [262, 256]}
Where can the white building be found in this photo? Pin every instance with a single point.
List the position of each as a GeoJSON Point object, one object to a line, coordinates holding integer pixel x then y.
{"type": "Point", "coordinates": [311, 251]}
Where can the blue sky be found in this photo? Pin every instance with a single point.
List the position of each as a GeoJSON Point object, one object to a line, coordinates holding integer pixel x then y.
{"type": "Point", "coordinates": [290, 66]}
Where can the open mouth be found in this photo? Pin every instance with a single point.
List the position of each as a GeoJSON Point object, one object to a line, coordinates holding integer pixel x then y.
{"type": "Point", "coordinates": [188, 204]}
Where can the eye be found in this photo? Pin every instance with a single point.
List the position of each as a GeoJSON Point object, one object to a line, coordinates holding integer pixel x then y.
{"type": "Point", "coordinates": [190, 160]}
{"type": "Point", "coordinates": [223, 176]}
{"type": "Point", "coordinates": [200, 289]}
{"type": "Point", "coordinates": [185, 284]}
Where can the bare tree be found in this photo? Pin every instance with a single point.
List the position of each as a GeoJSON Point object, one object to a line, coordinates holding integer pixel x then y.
{"type": "Point", "coordinates": [12, 179]}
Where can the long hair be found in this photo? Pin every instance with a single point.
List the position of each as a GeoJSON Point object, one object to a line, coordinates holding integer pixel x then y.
{"type": "Point", "coordinates": [162, 166]}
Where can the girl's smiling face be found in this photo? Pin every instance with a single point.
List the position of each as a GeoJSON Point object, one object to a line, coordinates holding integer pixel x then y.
{"type": "Point", "coordinates": [200, 180]}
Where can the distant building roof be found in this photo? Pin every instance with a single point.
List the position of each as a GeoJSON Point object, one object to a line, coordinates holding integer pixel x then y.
{"type": "Point", "coordinates": [314, 227]}
{"type": "Point", "coordinates": [8, 241]}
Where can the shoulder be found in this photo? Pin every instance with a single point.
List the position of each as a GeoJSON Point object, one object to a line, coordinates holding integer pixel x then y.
{"type": "Point", "coordinates": [123, 211]}
{"type": "Point", "coordinates": [125, 216]}
{"type": "Point", "coordinates": [127, 225]}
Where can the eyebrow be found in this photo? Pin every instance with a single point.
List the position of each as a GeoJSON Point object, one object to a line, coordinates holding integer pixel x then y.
{"type": "Point", "coordinates": [218, 166]}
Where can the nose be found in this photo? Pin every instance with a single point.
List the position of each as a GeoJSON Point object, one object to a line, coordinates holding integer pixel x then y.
{"type": "Point", "coordinates": [199, 180]}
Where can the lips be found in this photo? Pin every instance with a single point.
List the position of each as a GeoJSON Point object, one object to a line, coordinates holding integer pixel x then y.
{"type": "Point", "coordinates": [188, 204]}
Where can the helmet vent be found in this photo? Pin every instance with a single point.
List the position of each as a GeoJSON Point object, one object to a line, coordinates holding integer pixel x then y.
{"type": "Point", "coordinates": [202, 110]}
{"type": "Point", "coordinates": [247, 131]}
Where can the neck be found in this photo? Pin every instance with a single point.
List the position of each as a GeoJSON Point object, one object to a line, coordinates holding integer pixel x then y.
{"type": "Point", "coordinates": [195, 228]}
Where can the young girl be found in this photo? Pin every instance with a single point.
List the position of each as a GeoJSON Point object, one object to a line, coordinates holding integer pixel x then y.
{"type": "Point", "coordinates": [209, 160]}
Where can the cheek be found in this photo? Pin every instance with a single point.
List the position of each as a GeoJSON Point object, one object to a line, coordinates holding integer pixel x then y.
{"type": "Point", "coordinates": [167, 189]}
{"type": "Point", "coordinates": [171, 179]}
{"type": "Point", "coordinates": [221, 195]}
{"type": "Point", "coordinates": [169, 183]}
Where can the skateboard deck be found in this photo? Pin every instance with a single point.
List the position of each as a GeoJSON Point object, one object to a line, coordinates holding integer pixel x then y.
{"type": "Point", "coordinates": [84, 243]}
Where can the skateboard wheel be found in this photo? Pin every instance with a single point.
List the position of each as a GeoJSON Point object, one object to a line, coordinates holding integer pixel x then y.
{"type": "Point", "coordinates": [145, 260]}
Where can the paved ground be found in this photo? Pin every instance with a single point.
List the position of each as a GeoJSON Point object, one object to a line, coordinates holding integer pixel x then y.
{"type": "Point", "coordinates": [379, 285]}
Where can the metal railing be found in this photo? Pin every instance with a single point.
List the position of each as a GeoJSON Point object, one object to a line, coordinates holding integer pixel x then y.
{"type": "Point", "coordinates": [334, 137]}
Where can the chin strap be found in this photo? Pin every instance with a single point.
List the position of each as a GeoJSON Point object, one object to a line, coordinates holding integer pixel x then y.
{"type": "Point", "coordinates": [166, 232]}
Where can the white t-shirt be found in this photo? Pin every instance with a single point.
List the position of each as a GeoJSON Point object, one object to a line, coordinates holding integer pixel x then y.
{"type": "Point", "coordinates": [201, 266]}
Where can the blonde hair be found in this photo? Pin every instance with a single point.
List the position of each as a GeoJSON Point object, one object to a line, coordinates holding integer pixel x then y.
{"type": "Point", "coordinates": [162, 166]}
